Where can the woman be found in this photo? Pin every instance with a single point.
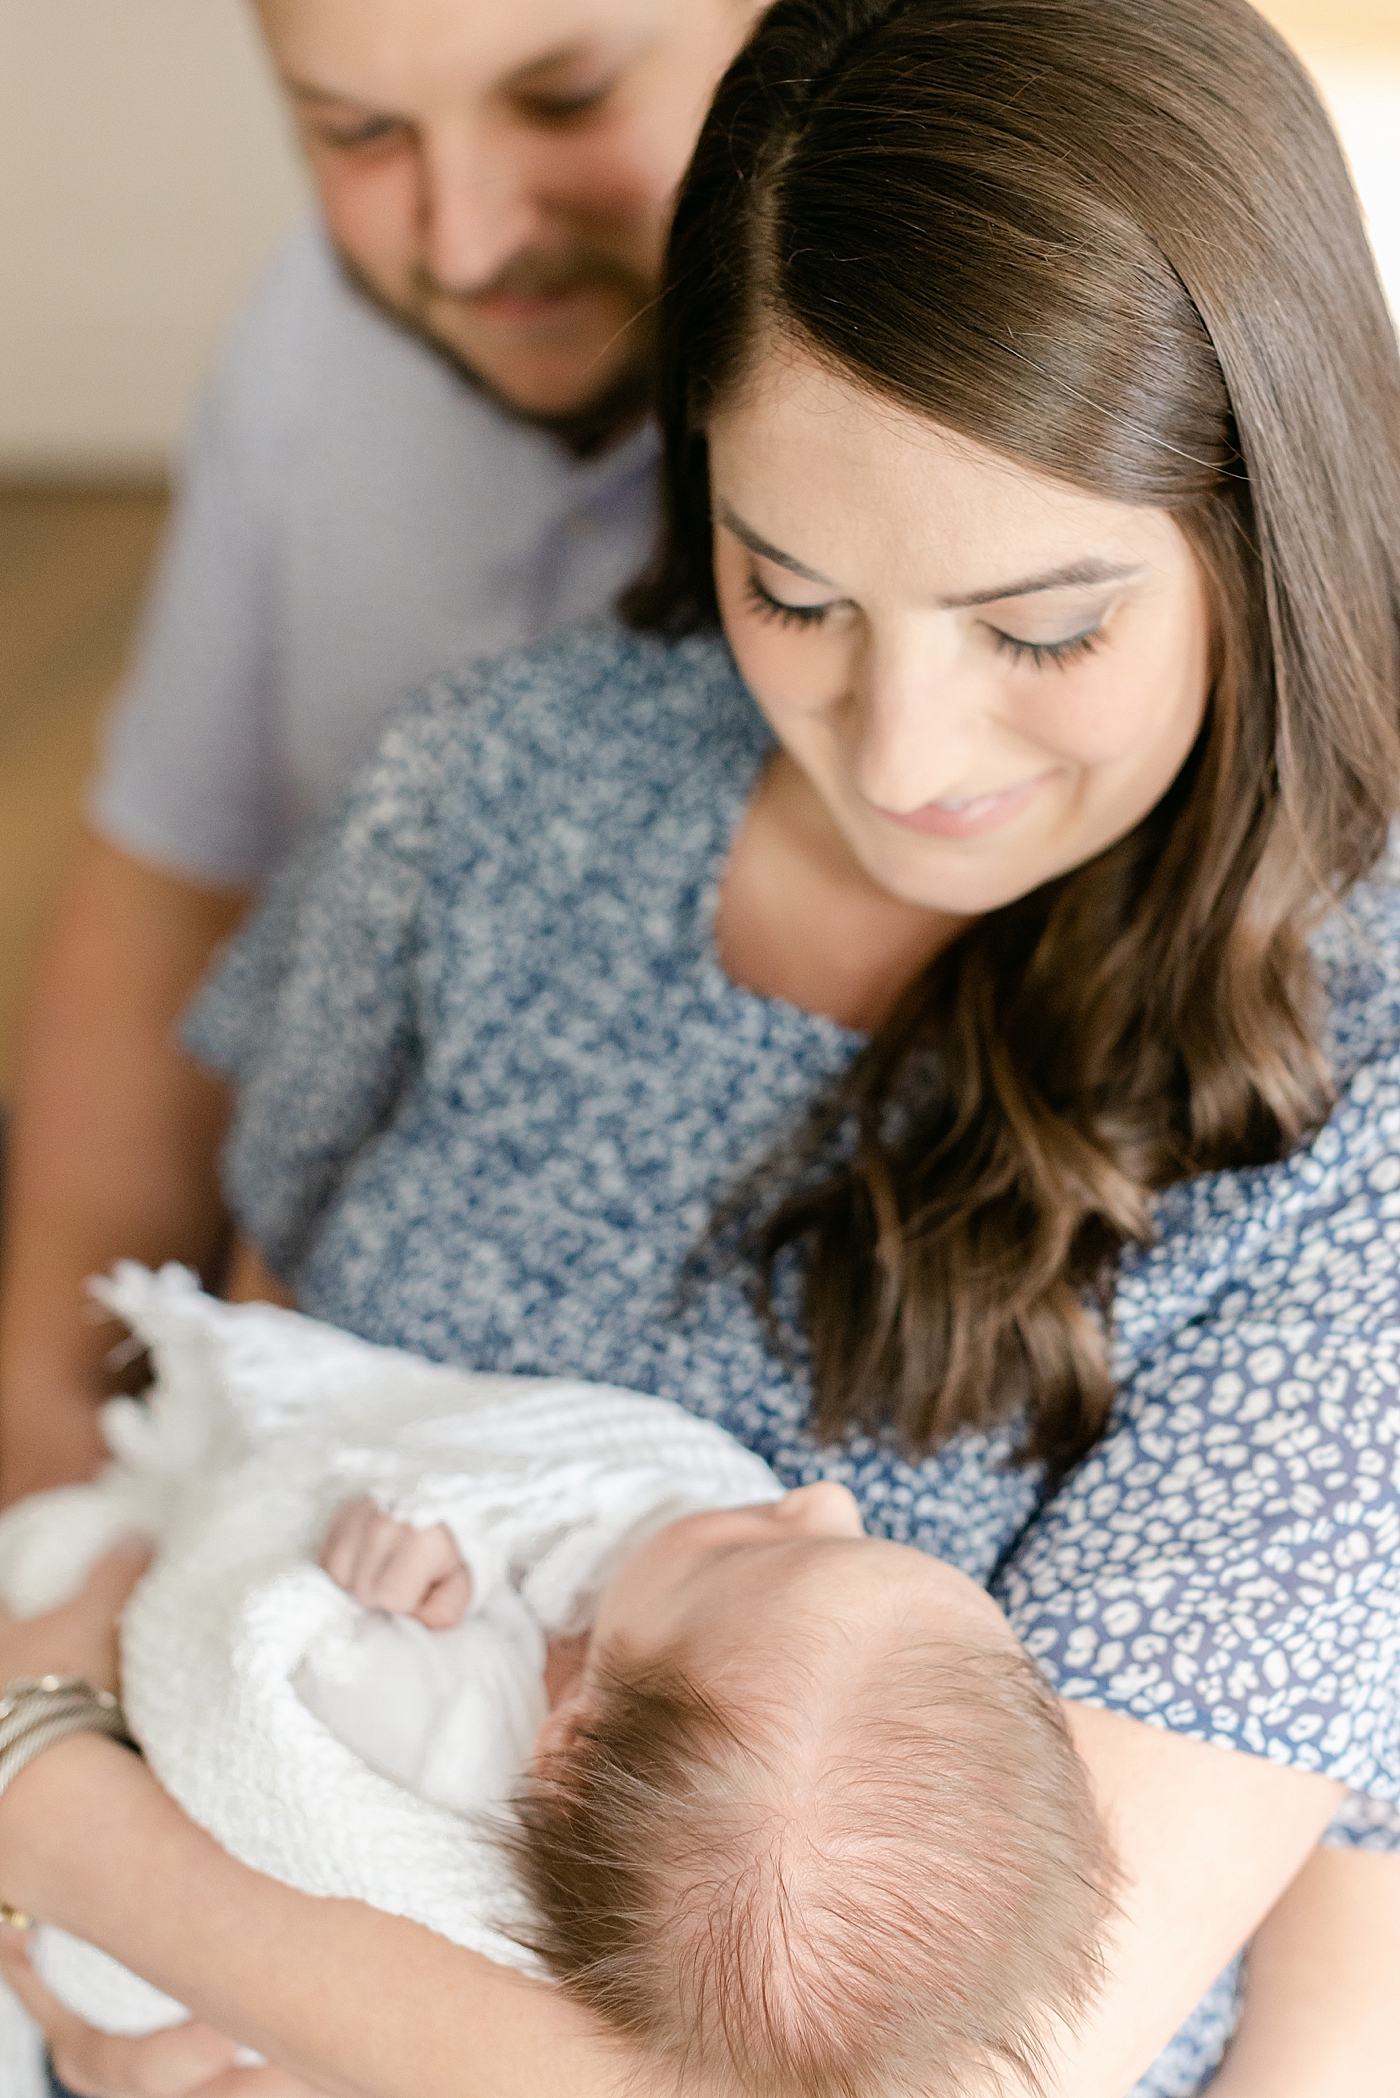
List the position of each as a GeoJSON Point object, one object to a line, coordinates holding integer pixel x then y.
{"type": "Point", "coordinates": [972, 1002]}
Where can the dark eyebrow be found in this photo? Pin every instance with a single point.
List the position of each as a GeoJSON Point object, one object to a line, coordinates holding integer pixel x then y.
{"type": "Point", "coordinates": [1074, 575]}
{"type": "Point", "coordinates": [305, 91]}
{"type": "Point", "coordinates": [756, 544]}
{"type": "Point", "coordinates": [536, 74]}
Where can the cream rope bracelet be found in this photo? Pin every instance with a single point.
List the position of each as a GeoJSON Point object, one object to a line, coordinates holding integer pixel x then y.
{"type": "Point", "coordinates": [37, 1711]}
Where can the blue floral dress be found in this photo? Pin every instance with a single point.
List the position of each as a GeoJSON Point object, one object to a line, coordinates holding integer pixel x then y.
{"type": "Point", "coordinates": [492, 1081]}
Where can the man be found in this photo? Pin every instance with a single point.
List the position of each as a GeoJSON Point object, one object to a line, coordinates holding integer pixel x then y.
{"type": "Point", "coordinates": [427, 439]}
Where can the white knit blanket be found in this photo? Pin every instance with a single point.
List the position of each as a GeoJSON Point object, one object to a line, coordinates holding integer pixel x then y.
{"type": "Point", "coordinates": [259, 1424]}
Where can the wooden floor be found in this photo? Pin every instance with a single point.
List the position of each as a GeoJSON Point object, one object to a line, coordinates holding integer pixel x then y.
{"type": "Point", "coordinates": [73, 566]}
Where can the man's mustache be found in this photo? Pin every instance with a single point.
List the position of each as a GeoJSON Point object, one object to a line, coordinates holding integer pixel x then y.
{"type": "Point", "coordinates": [620, 402]}
{"type": "Point", "coordinates": [535, 275]}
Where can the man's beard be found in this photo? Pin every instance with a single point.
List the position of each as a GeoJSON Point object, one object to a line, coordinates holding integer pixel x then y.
{"type": "Point", "coordinates": [586, 429]}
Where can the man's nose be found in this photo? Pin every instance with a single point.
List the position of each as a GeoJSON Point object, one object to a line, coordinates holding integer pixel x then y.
{"type": "Point", "coordinates": [476, 207]}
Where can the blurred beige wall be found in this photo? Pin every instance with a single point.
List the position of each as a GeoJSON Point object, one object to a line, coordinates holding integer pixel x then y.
{"type": "Point", "coordinates": [1353, 47]}
{"type": "Point", "coordinates": [1362, 88]}
{"type": "Point", "coordinates": [145, 170]}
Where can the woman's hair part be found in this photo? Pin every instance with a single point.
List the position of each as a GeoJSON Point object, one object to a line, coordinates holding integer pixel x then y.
{"type": "Point", "coordinates": [1118, 244]}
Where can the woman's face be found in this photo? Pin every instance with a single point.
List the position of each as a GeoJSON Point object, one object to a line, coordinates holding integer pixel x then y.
{"type": "Point", "coordinates": [984, 675]}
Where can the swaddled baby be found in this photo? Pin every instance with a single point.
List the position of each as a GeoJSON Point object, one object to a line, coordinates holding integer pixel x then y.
{"type": "Point", "coordinates": [588, 1693]}
{"type": "Point", "coordinates": [802, 1817]}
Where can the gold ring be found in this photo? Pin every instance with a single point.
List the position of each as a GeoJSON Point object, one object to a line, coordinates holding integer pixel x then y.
{"type": "Point", "coordinates": [14, 1919]}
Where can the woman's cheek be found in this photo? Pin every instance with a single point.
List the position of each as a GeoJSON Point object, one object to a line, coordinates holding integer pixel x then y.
{"type": "Point", "coordinates": [1099, 715]}
{"type": "Point", "coordinates": [793, 675]}
{"type": "Point", "coordinates": [1138, 702]}
{"type": "Point", "coordinates": [788, 669]}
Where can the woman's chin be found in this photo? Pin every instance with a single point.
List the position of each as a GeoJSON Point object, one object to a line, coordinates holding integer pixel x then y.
{"type": "Point", "coordinates": [934, 876]}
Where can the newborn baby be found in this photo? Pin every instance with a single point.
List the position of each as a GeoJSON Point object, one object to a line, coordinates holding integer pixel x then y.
{"type": "Point", "coordinates": [801, 1815]}
{"type": "Point", "coordinates": [588, 1693]}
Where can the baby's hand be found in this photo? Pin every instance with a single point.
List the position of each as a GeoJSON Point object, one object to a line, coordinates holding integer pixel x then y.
{"type": "Point", "coordinates": [388, 1565]}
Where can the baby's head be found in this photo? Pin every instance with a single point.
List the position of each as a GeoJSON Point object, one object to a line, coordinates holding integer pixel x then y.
{"type": "Point", "coordinates": [811, 1823]}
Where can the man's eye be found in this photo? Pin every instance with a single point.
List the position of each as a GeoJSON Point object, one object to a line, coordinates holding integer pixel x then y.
{"type": "Point", "coordinates": [346, 138]}
{"type": "Point", "coordinates": [567, 109]}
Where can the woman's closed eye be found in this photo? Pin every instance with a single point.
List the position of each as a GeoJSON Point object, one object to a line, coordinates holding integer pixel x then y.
{"type": "Point", "coordinates": [1045, 655]}
{"type": "Point", "coordinates": [762, 601]}
{"type": "Point", "coordinates": [1038, 655]}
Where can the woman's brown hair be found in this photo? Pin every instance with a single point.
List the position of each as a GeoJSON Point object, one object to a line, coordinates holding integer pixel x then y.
{"type": "Point", "coordinates": [1114, 240]}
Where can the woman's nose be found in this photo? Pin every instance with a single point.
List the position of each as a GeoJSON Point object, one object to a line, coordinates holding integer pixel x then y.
{"type": "Point", "coordinates": [913, 714]}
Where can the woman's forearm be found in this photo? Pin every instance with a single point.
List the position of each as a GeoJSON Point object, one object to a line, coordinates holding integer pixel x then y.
{"type": "Point", "coordinates": [364, 2005]}
{"type": "Point", "coordinates": [360, 2004]}
{"type": "Point", "coordinates": [1322, 2009]}
{"type": "Point", "coordinates": [1207, 1839]}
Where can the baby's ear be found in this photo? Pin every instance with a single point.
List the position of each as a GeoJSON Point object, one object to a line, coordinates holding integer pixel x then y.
{"type": "Point", "coordinates": [560, 1733]}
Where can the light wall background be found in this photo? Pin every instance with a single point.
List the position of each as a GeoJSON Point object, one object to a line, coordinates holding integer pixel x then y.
{"type": "Point", "coordinates": [146, 168]}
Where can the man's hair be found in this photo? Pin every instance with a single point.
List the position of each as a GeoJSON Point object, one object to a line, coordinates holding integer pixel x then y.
{"type": "Point", "coordinates": [853, 1881]}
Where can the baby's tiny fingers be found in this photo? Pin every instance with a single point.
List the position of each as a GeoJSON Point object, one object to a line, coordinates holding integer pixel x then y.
{"type": "Point", "coordinates": [417, 1560]}
{"type": "Point", "coordinates": [170, 2064]}
{"type": "Point", "coordinates": [342, 1544]}
{"type": "Point", "coordinates": [380, 1546]}
{"type": "Point", "coordinates": [446, 1602]}
{"type": "Point", "coordinates": [338, 1532]}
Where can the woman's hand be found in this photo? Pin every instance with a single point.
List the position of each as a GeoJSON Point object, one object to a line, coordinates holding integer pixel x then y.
{"type": "Point", "coordinates": [355, 2003]}
{"type": "Point", "coordinates": [170, 2064]}
{"type": "Point", "coordinates": [184, 2061]}
{"type": "Point", "coordinates": [79, 1637]}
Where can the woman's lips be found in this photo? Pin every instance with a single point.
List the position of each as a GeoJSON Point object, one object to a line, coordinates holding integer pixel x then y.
{"type": "Point", "coordinates": [970, 818]}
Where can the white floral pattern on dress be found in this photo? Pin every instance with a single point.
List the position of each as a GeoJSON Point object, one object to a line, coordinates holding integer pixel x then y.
{"type": "Point", "coordinates": [492, 1081]}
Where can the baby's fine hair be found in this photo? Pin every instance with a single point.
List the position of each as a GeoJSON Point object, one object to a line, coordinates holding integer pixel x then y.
{"type": "Point", "coordinates": [847, 1876]}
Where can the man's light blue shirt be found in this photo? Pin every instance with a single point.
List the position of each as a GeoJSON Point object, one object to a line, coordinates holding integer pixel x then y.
{"type": "Point", "coordinates": [352, 516]}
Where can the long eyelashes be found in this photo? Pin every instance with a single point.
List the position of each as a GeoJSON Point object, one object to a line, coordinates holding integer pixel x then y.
{"type": "Point", "coordinates": [1040, 655]}
{"type": "Point", "coordinates": [1045, 655]}
{"type": "Point", "coordinates": [769, 607]}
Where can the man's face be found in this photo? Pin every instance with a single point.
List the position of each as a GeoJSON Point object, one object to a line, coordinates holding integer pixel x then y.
{"type": "Point", "coordinates": [499, 173]}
